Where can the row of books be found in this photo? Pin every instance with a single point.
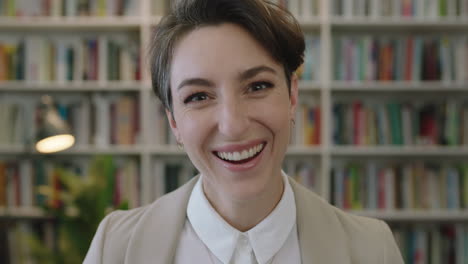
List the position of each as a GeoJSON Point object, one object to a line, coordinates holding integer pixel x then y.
{"type": "Point", "coordinates": [400, 58]}
{"type": "Point", "coordinates": [68, 8]}
{"type": "Point", "coordinates": [400, 123]}
{"type": "Point", "coordinates": [21, 181]}
{"type": "Point", "coordinates": [300, 8]}
{"type": "Point", "coordinates": [168, 175]}
{"type": "Point", "coordinates": [433, 244]}
{"type": "Point", "coordinates": [304, 171]}
{"type": "Point", "coordinates": [101, 120]}
{"type": "Point", "coordinates": [160, 130]}
{"type": "Point", "coordinates": [306, 130]}
{"type": "Point", "coordinates": [310, 69]}
{"type": "Point", "coordinates": [406, 186]}
{"type": "Point", "coordinates": [117, 120]}
{"type": "Point", "coordinates": [65, 58]}
{"type": "Point", "coordinates": [427, 9]}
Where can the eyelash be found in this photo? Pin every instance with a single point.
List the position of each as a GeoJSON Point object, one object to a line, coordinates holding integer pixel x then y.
{"type": "Point", "coordinates": [195, 97]}
{"type": "Point", "coordinates": [264, 84]}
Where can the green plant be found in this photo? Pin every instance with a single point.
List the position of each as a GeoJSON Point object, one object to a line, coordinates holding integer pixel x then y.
{"type": "Point", "coordinates": [77, 208]}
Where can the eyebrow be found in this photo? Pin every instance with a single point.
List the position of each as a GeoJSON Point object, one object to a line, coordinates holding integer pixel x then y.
{"type": "Point", "coordinates": [254, 71]}
{"type": "Point", "coordinates": [195, 81]}
{"type": "Point", "coordinates": [242, 77]}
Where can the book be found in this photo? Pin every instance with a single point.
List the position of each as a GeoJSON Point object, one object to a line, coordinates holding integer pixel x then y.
{"type": "Point", "coordinates": [68, 8]}
{"type": "Point", "coordinates": [399, 186]}
{"type": "Point", "coordinates": [362, 57]}
{"type": "Point", "coordinates": [395, 123]}
{"type": "Point", "coordinates": [62, 59]}
{"type": "Point", "coordinates": [418, 9]}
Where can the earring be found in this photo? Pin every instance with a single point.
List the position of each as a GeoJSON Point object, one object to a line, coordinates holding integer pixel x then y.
{"type": "Point", "coordinates": [180, 146]}
{"type": "Point", "coordinates": [293, 121]}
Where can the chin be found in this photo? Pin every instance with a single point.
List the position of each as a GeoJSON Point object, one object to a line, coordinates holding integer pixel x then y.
{"type": "Point", "coordinates": [252, 187]}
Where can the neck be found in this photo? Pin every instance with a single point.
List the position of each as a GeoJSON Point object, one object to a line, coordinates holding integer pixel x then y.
{"type": "Point", "coordinates": [244, 214]}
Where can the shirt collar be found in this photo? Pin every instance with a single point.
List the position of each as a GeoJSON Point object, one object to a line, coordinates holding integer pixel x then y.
{"type": "Point", "coordinates": [266, 238]}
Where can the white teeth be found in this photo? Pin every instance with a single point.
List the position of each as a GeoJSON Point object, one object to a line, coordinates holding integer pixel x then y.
{"type": "Point", "coordinates": [251, 152]}
{"type": "Point", "coordinates": [237, 156]}
{"type": "Point", "coordinates": [245, 154]}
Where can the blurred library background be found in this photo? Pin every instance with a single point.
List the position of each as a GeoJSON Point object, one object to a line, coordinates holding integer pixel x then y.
{"type": "Point", "coordinates": [381, 131]}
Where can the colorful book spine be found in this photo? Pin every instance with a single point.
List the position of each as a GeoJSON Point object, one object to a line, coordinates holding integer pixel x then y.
{"type": "Point", "coordinates": [399, 58]}
{"type": "Point", "coordinates": [64, 59]}
{"type": "Point", "coordinates": [405, 186]}
{"type": "Point", "coordinates": [417, 9]}
{"type": "Point", "coordinates": [395, 123]}
{"type": "Point", "coordinates": [426, 243]}
{"type": "Point", "coordinates": [68, 8]}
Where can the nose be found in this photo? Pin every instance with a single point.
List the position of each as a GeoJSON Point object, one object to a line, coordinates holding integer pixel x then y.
{"type": "Point", "coordinates": [233, 118]}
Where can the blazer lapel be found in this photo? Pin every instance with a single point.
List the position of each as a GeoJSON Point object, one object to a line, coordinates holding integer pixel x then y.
{"type": "Point", "coordinates": [321, 238]}
{"type": "Point", "coordinates": [157, 234]}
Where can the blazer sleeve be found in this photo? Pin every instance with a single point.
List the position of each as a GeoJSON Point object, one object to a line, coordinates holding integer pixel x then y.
{"type": "Point", "coordinates": [95, 252]}
{"type": "Point", "coordinates": [391, 251]}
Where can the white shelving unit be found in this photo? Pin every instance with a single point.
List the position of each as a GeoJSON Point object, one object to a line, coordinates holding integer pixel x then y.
{"type": "Point", "coordinates": [22, 213]}
{"type": "Point", "coordinates": [326, 89]}
{"type": "Point", "coordinates": [416, 216]}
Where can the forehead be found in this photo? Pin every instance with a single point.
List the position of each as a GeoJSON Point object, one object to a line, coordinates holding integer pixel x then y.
{"type": "Point", "coordinates": [218, 51]}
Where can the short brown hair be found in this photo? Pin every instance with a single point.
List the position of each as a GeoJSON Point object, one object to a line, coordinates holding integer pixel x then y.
{"type": "Point", "coordinates": [274, 28]}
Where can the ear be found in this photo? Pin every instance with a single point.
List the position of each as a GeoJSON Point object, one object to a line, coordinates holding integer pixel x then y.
{"type": "Point", "coordinates": [173, 124]}
{"type": "Point", "coordinates": [293, 96]}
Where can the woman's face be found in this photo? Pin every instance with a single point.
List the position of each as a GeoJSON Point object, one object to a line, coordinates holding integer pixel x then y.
{"type": "Point", "coordinates": [232, 110]}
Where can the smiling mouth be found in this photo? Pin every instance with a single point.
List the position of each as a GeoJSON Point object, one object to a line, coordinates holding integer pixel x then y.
{"type": "Point", "coordinates": [239, 157]}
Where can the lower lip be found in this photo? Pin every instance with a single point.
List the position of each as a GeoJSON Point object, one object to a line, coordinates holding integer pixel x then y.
{"type": "Point", "coordinates": [243, 166]}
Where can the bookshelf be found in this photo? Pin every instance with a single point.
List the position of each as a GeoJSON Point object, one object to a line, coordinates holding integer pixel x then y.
{"type": "Point", "coordinates": [323, 22]}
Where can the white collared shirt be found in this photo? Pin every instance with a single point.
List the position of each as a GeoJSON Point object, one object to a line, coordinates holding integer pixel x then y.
{"type": "Point", "coordinates": [208, 238]}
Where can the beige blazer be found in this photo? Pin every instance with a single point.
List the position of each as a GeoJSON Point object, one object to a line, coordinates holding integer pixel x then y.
{"type": "Point", "coordinates": [326, 234]}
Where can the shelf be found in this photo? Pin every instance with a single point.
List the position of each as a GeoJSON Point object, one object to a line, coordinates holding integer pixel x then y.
{"type": "Point", "coordinates": [310, 23]}
{"type": "Point", "coordinates": [397, 86]}
{"type": "Point", "coordinates": [309, 86]}
{"type": "Point", "coordinates": [166, 150]}
{"type": "Point", "coordinates": [155, 20]}
{"type": "Point", "coordinates": [441, 151]}
{"type": "Point", "coordinates": [294, 150]}
{"type": "Point", "coordinates": [69, 23]}
{"type": "Point", "coordinates": [22, 212]}
{"type": "Point", "coordinates": [74, 86]}
{"type": "Point", "coordinates": [417, 216]}
{"type": "Point", "coordinates": [77, 150]}
{"type": "Point", "coordinates": [403, 23]}
{"type": "Point", "coordinates": [93, 150]}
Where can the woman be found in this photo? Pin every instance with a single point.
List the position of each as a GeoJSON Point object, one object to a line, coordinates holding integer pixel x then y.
{"type": "Point", "coordinates": [224, 70]}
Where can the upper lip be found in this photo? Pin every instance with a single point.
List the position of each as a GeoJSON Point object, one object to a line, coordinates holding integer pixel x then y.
{"type": "Point", "coordinates": [239, 147]}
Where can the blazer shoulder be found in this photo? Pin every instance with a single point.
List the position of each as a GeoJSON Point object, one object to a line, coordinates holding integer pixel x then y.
{"type": "Point", "coordinates": [359, 239]}
{"type": "Point", "coordinates": [115, 234]}
{"type": "Point", "coordinates": [112, 236]}
{"type": "Point", "coordinates": [369, 240]}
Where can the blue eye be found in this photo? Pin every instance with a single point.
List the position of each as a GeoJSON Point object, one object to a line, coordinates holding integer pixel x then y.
{"type": "Point", "coordinates": [258, 86]}
{"type": "Point", "coordinates": [196, 97]}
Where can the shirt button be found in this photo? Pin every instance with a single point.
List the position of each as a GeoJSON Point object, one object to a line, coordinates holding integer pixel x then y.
{"type": "Point", "coordinates": [244, 239]}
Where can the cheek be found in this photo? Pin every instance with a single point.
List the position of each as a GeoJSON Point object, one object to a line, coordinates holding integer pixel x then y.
{"type": "Point", "coordinates": [194, 127]}
{"type": "Point", "coordinates": [275, 114]}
